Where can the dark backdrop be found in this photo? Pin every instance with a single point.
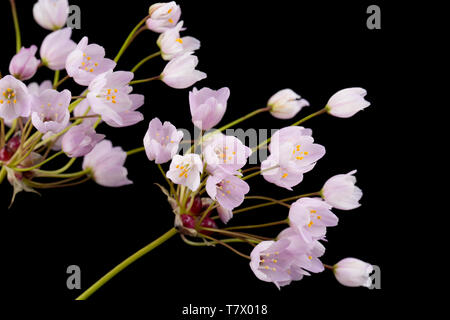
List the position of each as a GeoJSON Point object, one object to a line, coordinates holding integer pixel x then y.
{"type": "Point", "coordinates": [255, 48]}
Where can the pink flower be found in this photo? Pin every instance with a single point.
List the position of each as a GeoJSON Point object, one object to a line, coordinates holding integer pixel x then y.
{"type": "Point", "coordinates": [109, 96]}
{"type": "Point", "coordinates": [347, 102]}
{"type": "Point", "coordinates": [172, 45]}
{"type": "Point", "coordinates": [107, 165]}
{"type": "Point", "coordinates": [161, 141]}
{"type": "Point", "coordinates": [56, 47]}
{"type": "Point", "coordinates": [80, 110]}
{"type": "Point", "coordinates": [80, 140]}
{"type": "Point", "coordinates": [225, 153]}
{"type": "Point", "coordinates": [180, 72]}
{"type": "Point", "coordinates": [163, 16]}
{"type": "Point", "coordinates": [285, 104]}
{"type": "Point", "coordinates": [15, 100]}
{"type": "Point", "coordinates": [225, 215]}
{"type": "Point", "coordinates": [186, 170]}
{"type": "Point", "coordinates": [87, 61]}
{"type": "Point", "coordinates": [293, 152]}
{"type": "Point", "coordinates": [353, 272]}
{"type": "Point", "coordinates": [341, 192]}
{"type": "Point", "coordinates": [227, 189]}
{"type": "Point", "coordinates": [310, 217]}
{"type": "Point", "coordinates": [51, 14]}
{"type": "Point", "coordinates": [50, 111]}
{"type": "Point", "coordinates": [208, 106]}
{"type": "Point", "coordinates": [36, 89]}
{"type": "Point", "coordinates": [24, 64]}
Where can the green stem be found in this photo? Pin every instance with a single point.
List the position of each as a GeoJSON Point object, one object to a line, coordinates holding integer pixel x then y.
{"type": "Point", "coordinates": [211, 243]}
{"type": "Point", "coordinates": [137, 150]}
{"type": "Point", "coordinates": [50, 174]}
{"type": "Point", "coordinates": [2, 174]}
{"type": "Point", "coordinates": [16, 25]}
{"type": "Point", "coordinates": [39, 164]}
{"type": "Point", "coordinates": [56, 79]}
{"type": "Point", "coordinates": [256, 226]}
{"type": "Point", "coordinates": [172, 189]}
{"type": "Point", "coordinates": [258, 172]}
{"type": "Point", "coordinates": [58, 83]}
{"type": "Point", "coordinates": [2, 133]}
{"type": "Point", "coordinates": [268, 199]}
{"type": "Point", "coordinates": [153, 55]}
{"type": "Point", "coordinates": [11, 130]}
{"type": "Point", "coordinates": [63, 169]}
{"type": "Point", "coordinates": [145, 80]}
{"type": "Point", "coordinates": [129, 39]}
{"type": "Point", "coordinates": [86, 294]}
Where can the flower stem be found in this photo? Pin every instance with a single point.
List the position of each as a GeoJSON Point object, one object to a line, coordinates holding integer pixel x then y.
{"type": "Point", "coordinates": [86, 294]}
{"type": "Point", "coordinates": [268, 199]}
{"type": "Point", "coordinates": [16, 25]}
{"type": "Point", "coordinates": [39, 164]}
{"type": "Point", "coordinates": [11, 130]}
{"type": "Point", "coordinates": [137, 150]}
{"type": "Point", "coordinates": [56, 79]}
{"type": "Point", "coordinates": [2, 133]}
{"type": "Point", "coordinates": [2, 174]}
{"type": "Point", "coordinates": [153, 55]}
{"type": "Point", "coordinates": [129, 39]}
{"type": "Point", "coordinates": [256, 226]}
{"type": "Point", "coordinates": [226, 246]}
{"type": "Point", "coordinates": [58, 83]}
{"type": "Point", "coordinates": [158, 77]}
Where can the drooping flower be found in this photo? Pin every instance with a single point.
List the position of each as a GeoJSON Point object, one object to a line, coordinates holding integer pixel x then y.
{"type": "Point", "coordinates": [84, 109]}
{"type": "Point", "coordinates": [225, 215]}
{"type": "Point", "coordinates": [285, 104]}
{"type": "Point", "coordinates": [87, 61]}
{"type": "Point", "coordinates": [341, 192]}
{"type": "Point", "coordinates": [56, 142]}
{"type": "Point", "coordinates": [36, 89]}
{"type": "Point", "coordinates": [310, 217]}
{"type": "Point", "coordinates": [15, 100]}
{"type": "Point", "coordinates": [353, 272]}
{"type": "Point", "coordinates": [225, 153]}
{"type": "Point", "coordinates": [163, 16]}
{"type": "Point", "coordinates": [161, 141]}
{"type": "Point", "coordinates": [345, 103]}
{"type": "Point", "coordinates": [50, 111]}
{"type": "Point", "coordinates": [208, 106]}
{"type": "Point", "coordinates": [227, 189]}
{"type": "Point", "coordinates": [80, 140]}
{"type": "Point", "coordinates": [293, 152]}
{"type": "Point", "coordinates": [51, 14]}
{"type": "Point", "coordinates": [180, 72]}
{"type": "Point", "coordinates": [186, 170]}
{"type": "Point", "coordinates": [172, 45]}
{"type": "Point", "coordinates": [109, 96]}
{"type": "Point", "coordinates": [55, 49]}
{"type": "Point", "coordinates": [24, 64]}
{"type": "Point", "coordinates": [107, 165]}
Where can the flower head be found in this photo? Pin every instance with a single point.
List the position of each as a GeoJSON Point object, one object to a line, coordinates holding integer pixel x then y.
{"type": "Point", "coordinates": [285, 104]}
{"type": "Point", "coordinates": [24, 64]}
{"type": "Point", "coordinates": [80, 140]}
{"type": "Point", "coordinates": [87, 61]}
{"type": "Point", "coordinates": [347, 102]}
{"type": "Point", "coordinates": [227, 189]}
{"type": "Point", "coordinates": [51, 14]}
{"type": "Point", "coordinates": [56, 47]}
{"type": "Point", "coordinates": [109, 96]}
{"type": "Point", "coordinates": [186, 170]}
{"type": "Point", "coordinates": [208, 106]}
{"type": "Point", "coordinates": [353, 272]}
{"type": "Point", "coordinates": [180, 72]}
{"type": "Point", "coordinates": [15, 100]}
{"type": "Point", "coordinates": [107, 165]}
{"type": "Point", "coordinates": [163, 16]}
{"type": "Point", "coordinates": [161, 141]}
{"type": "Point", "coordinates": [172, 45]}
{"type": "Point", "coordinates": [341, 192]}
{"type": "Point", "coordinates": [50, 111]}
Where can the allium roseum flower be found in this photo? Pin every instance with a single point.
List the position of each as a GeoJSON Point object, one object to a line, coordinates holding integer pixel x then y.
{"type": "Point", "coordinates": [186, 170]}
{"type": "Point", "coordinates": [87, 61]}
{"type": "Point", "coordinates": [341, 192]}
{"type": "Point", "coordinates": [163, 16]}
{"type": "Point", "coordinates": [24, 64]}
{"type": "Point", "coordinates": [310, 217]}
{"type": "Point", "coordinates": [51, 14]}
{"type": "Point", "coordinates": [225, 153]}
{"type": "Point", "coordinates": [172, 45]}
{"type": "Point", "coordinates": [56, 47]}
{"type": "Point", "coordinates": [227, 189]}
{"type": "Point", "coordinates": [293, 152]}
{"type": "Point", "coordinates": [161, 141]}
{"type": "Point", "coordinates": [109, 96]}
{"type": "Point", "coordinates": [80, 140]}
{"type": "Point", "coordinates": [107, 165]}
{"type": "Point", "coordinates": [180, 72]}
{"type": "Point", "coordinates": [36, 89]}
{"type": "Point", "coordinates": [81, 109]}
{"type": "Point", "coordinates": [208, 106]}
{"type": "Point", "coordinates": [353, 272]}
{"type": "Point", "coordinates": [15, 100]}
{"type": "Point", "coordinates": [347, 102]}
{"type": "Point", "coordinates": [225, 215]}
{"type": "Point", "coordinates": [50, 111]}
{"type": "Point", "coordinates": [285, 104]}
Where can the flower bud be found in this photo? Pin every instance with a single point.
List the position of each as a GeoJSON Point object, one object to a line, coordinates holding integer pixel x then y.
{"type": "Point", "coordinates": [163, 16]}
{"type": "Point", "coordinates": [180, 72]}
{"type": "Point", "coordinates": [51, 14]}
{"type": "Point", "coordinates": [56, 47]}
{"type": "Point", "coordinates": [285, 104]}
{"type": "Point", "coordinates": [24, 64]}
{"type": "Point", "coordinates": [347, 102]}
{"type": "Point", "coordinates": [353, 272]}
{"type": "Point", "coordinates": [341, 192]}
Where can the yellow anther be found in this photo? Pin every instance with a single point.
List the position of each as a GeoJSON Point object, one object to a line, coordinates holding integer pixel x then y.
{"type": "Point", "coordinates": [170, 10]}
{"type": "Point", "coordinates": [113, 97]}
{"type": "Point", "coordinates": [306, 153]}
{"type": "Point", "coordinates": [49, 104]}
{"type": "Point", "coordinates": [266, 267]}
{"type": "Point", "coordinates": [170, 20]}
{"type": "Point", "coordinates": [276, 252]}
{"type": "Point", "coordinates": [310, 224]}
{"type": "Point", "coordinates": [299, 158]}
{"type": "Point", "coordinates": [274, 260]}
{"type": "Point", "coordinates": [309, 257]}
{"type": "Point", "coordinates": [15, 101]}
{"type": "Point", "coordinates": [86, 68]}
{"type": "Point", "coordinates": [284, 175]}
{"type": "Point", "coordinates": [8, 101]}
{"type": "Point", "coordinates": [9, 89]}
{"type": "Point", "coordinates": [319, 217]}
{"type": "Point", "coordinates": [262, 260]}
{"type": "Point", "coordinates": [228, 191]}
{"type": "Point", "coordinates": [83, 64]}
{"type": "Point", "coordinates": [13, 94]}
{"type": "Point", "coordinates": [107, 98]}
{"type": "Point", "coordinates": [115, 90]}
{"type": "Point", "coordinates": [1, 101]}
{"type": "Point", "coordinates": [114, 101]}
{"type": "Point", "coordinates": [177, 166]}
{"type": "Point", "coordinates": [274, 269]}
{"type": "Point", "coordinates": [179, 40]}
{"type": "Point", "coordinates": [88, 58]}
{"type": "Point", "coordinates": [109, 91]}
{"type": "Point", "coordinates": [313, 211]}
{"type": "Point", "coordinates": [96, 64]}
{"type": "Point", "coordinates": [91, 70]}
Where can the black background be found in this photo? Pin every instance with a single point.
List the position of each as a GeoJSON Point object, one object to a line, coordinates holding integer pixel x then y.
{"type": "Point", "coordinates": [255, 48]}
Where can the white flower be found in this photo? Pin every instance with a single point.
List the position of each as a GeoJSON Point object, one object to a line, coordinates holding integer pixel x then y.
{"type": "Point", "coordinates": [285, 104]}
{"type": "Point", "coordinates": [340, 191]}
{"type": "Point", "coordinates": [347, 102]}
{"type": "Point", "coordinates": [172, 45]}
{"type": "Point", "coordinates": [353, 272]}
{"type": "Point", "coordinates": [186, 170]}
